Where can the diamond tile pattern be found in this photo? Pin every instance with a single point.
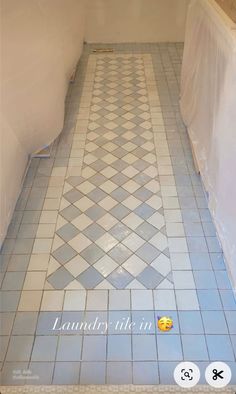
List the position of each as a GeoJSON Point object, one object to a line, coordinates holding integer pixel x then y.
{"type": "Point", "coordinates": [112, 216]}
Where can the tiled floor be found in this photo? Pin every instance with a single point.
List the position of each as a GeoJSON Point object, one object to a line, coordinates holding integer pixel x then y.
{"type": "Point", "coordinates": [112, 232]}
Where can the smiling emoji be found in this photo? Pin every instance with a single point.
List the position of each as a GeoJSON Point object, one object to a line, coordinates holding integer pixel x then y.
{"type": "Point", "coordinates": [165, 323]}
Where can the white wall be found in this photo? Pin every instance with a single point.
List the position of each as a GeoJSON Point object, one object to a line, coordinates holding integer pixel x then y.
{"type": "Point", "coordinates": [41, 42]}
{"type": "Point", "coordinates": [112, 21]}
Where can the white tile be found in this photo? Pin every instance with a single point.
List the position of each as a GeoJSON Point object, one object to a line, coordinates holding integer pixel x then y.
{"type": "Point", "coordinates": [82, 222]}
{"type": "Point", "coordinates": [30, 301]}
{"type": "Point", "coordinates": [38, 262]}
{"type": "Point", "coordinates": [52, 300]}
{"type": "Point", "coordinates": [42, 245]}
{"type": "Point", "coordinates": [79, 243]}
{"type": "Point", "coordinates": [133, 242]}
{"type": "Point", "coordinates": [107, 221]}
{"type": "Point", "coordinates": [76, 266]}
{"type": "Point", "coordinates": [162, 264]}
{"type": "Point", "coordinates": [180, 261]}
{"type": "Point", "coordinates": [106, 242]}
{"type": "Point", "coordinates": [132, 221]}
{"type": "Point", "coordinates": [74, 300]}
{"type": "Point", "coordinates": [159, 241]}
{"type": "Point", "coordinates": [157, 220]}
{"type": "Point", "coordinates": [84, 203]}
{"type": "Point", "coordinates": [173, 215]}
{"type": "Point", "coordinates": [108, 203]}
{"type": "Point", "coordinates": [175, 230]}
{"type": "Point", "coordinates": [164, 300]}
{"type": "Point", "coordinates": [141, 300]}
{"type": "Point", "coordinates": [134, 265]}
{"type": "Point", "coordinates": [131, 202]}
{"type": "Point", "coordinates": [34, 280]}
{"type": "Point", "coordinates": [178, 245]}
{"type": "Point", "coordinates": [119, 300]}
{"type": "Point", "coordinates": [108, 186]}
{"type": "Point", "coordinates": [97, 300]}
{"type": "Point", "coordinates": [45, 230]}
{"type": "Point", "coordinates": [105, 265]}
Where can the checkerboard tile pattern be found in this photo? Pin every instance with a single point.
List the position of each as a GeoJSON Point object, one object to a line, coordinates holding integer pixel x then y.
{"type": "Point", "coordinates": [111, 229]}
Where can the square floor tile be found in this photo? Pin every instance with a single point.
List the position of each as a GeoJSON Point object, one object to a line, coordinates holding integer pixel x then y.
{"type": "Point", "coordinates": [93, 373]}
{"type": "Point", "coordinates": [120, 278]}
{"type": "Point", "coordinates": [66, 373]}
{"type": "Point", "coordinates": [214, 322]}
{"type": "Point", "coordinates": [169, 348]}
{"type": "Point", "coordinates": [44, 348]}
{"type": "Point", "coordinates": [13, 281]}
{"type": "Point", "coordinates": [9, 301]}
{"type": "Point", "coordinates": [119, 300]}
{"type": "Point", "coordinates": [144, 347]}
{"type": "Point", "coordinates": [145, 373]}
{"type": "Point", "coordinates": [90, 278]}
{"type": "Point", "coordinates": [69, 348]}
{"type": "Point", "coordinates": [194, 347]}
{"type": "Point", "coordinates": [25, 323]}
{"type": "Point", "coordinates": [34, 280]}
{"type": "Point", "coordinates": [97, 300]}
{"type": "Point", "coordinates": [64, 253]}
{"type": "Point", "coordinates": [164, 299]}
{"type": "Point", "coordinates": [119, 348]}
{"type": "Point", "coordinates": [190, 322]}
{"type": "Point", "coordinates": [119, 373]}
{"type": "Point", "coordinates": [48, 323]}
{"type": "Point", "coordinates": [143, 322]}
{"type": "Point", "coordinates": [219, 347]}
{"type": "Point", "coordinates": [94, 348]}
{"type": "Point", "coordinates": [209, 300]}
{"type": "Point", "coordinates": [43, 371]}
{"type": "Point", "coordinates": [30, 300]}
{"type": "Point", "coordinates": [150, 278]}
{"type": "Point", "coordinates": [19, 348]}
{"type": "Point", "coordinates": [183, 280]}
{"type": "Point", "coordinates": [74, 300]}
{"type": "Point", "coordinates": [141, 300]}
{"type": "Point", "coordinates": [205, 280]}
{"type": "Point", "coordinates": [187, 299]}
{"type": "Point", "coordinates": [52, 300]}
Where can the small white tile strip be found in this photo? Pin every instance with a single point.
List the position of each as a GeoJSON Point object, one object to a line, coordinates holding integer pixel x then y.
{"type": "Point", "coordinates": [111, 389]}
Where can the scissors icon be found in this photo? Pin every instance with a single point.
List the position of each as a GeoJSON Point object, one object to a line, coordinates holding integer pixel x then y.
{"type": "Point", "coordinates": [217, 374]}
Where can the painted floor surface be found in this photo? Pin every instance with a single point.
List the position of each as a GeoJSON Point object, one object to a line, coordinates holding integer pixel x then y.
{"type": "Point", "coordinates": [112, 232]}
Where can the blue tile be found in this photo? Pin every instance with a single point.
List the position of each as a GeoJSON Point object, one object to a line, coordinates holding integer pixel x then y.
{"type": "Point", "coordinates": [217, 261]}
{"type": "Point", "coordinates": [143, 322]}
{"type": "Point", "coordinates": [233, 340]}
{"type": "Point", "coordinates": [66, 373]}
{"type": "Point", "coordinates": [214, 322]}
{"type": "Point", "coordinates": [222, 280]}
{"type": "Point", "coordinates": [213, 245]}
{"type": "Point", "coordinates": [145, 373]}
{"type": "Point", "coordinates": [166, 370]}
{"type": "Point", "coordinates": [205, 280]}
{"type": "Point", "coordinates": [144, 347]}
{"type": "Point", "coordinates": [209, 300]}
{"type": "Point", "coordinates": [93, 373]}
{"type": "Point", "coordinates": [119, 372]}
{"type": "Point", "coordinates": [231, 321]}
{"type": "Point", "coordinates": [119, 348]}
{"type": "Point", "coordinates": [169, 348]}
{"type": "Point", "coordinates": [119, 322]}
{"type": "Point", "coordinates": [228, 300]}
{"type": "Point", "coordinates": [220, 348]}
{"type": "Point", "coordinates": [194, 348]}
{"type": "Point", "coordinates": [200, 261]}
{"type": "Point", "coordinates": [190, 322]}
{"type": "Point", "coordinates": [197, 244]}
{"type": "Point", "coordinates": [94, 348]}
{"type": "Point", "coordinates": [174, 316]}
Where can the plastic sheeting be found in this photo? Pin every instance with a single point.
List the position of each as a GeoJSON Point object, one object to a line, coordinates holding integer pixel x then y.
{"type": "Point", "coordinates": [208, 106]}
{"type": "Point", "coordinates": [41, 42]}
